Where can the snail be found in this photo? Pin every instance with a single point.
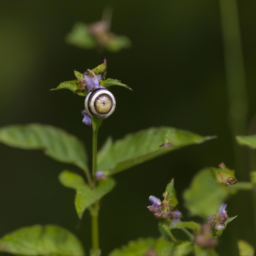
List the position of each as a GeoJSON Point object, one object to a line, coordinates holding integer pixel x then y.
{"type": "Point", "coordinates": [100, 103]}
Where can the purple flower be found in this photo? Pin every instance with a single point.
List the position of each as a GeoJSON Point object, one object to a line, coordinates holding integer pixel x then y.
{"type": "Point", "coordinates": [156, 203]}
{"type": "Point", "coordinates": [223, 216]}
{"type": "Point", "coordinates": [92, 81]}
{"type": "Point", "coordinates": [100, 175]}
{"type": "Point", "coordinates": [87, 118]}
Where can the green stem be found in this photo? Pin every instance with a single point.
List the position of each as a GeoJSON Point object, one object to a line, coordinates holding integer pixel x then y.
{"type": "Point", "coordinates": [95, 208]}
{"type": "Point", "coordinates": [189, 235]}
{"type": "Point", "coordinates": [94, 151]}
{"type": "Point", "coordinates": [89, 178]}
{"type": "Point", "coordinates": [235, 75]}
{"type": "Point", "coordinates": [236, 82]}
{"type": "Point", "coordinates": [171, 235]}
{"type": "Point", "coordinates": [95, 233]}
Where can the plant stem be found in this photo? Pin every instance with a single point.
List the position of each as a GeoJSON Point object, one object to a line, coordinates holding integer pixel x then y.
{"type": "Point", "coordinates": [95, 233]}
{"type": "Point", "coordinates": [95, 207]}
{"type": "Point", "coordinates": [89, 178]}
{"type": "Point", "coordinates": [189, 235]}
{"type": "Point", "coordinates": [171, 235]}
{"type": "Point", "coordinates": [94, 151]}
{"type": "Point", "coordinates": [235, 75]}
{"type": "Point", "coordinates": [236, 83]}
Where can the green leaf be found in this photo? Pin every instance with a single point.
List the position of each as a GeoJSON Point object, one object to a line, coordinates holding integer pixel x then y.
{"type": "Point", "coordinates": [163, 247]}
{"type": "Point", "coordinates": [142, 146]}
{"type": "Point", "coordinates": [144, 247]}
{"type": "Point", "coordinates": [55, 142]}
{"type": "Point", "coordinates": [135, 248]}
{"type": "Point", "coordinates": [183, 249]}
{"type": "Point", "coordinates": [249, 141]}
{"type": "Point", "coordinates": [188, 225]}
{"type": "Point", "coordinates": [204, 252]}
{"type": "Point", "coordinates": [78, 75]}
{"type": "Point", "coordinates": [224, 176]}
{"type": "Point", "coordinates": [171, 193]}
{"type": "Point", "coordinates": [80, 37]}
{"type": "Point", "coordinates": [100, 70]}
{"type": "Point", "coordinates": [111, 82]}
{"type": "Point", "coordinates": [245, 249]}
{"type": "Point", "coordinates": [85, 196]}
{"type": "Point", "coordinates": [41, 240]}
{"type": "Point", "coordinates": [230, 219]}
{"type": "Point", "coordinates": [118, 43]}
{"type": "Point", "coordinates": [205, 195]}
{"type": "Point", "coordinates": [73, 86]}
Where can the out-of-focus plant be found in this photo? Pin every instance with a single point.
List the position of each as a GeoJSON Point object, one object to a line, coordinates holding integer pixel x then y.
{"type": "Point", "coordinates": [97, 35]}
{"type": "Point", "coordinates": [204, 198]}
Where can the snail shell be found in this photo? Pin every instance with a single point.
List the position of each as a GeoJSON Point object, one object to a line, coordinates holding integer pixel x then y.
{"type": "Point", "coordinates": [100, 103]}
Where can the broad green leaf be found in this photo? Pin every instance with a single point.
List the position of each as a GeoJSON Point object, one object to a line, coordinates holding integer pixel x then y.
{"type": "Point", "coordinates": [183, 249]}
{"type": "Point", "coordinates": [135, 248]}
{"type": "Point", "coordinates": [118, 43]}
{"type": "Point", "coordinates": [142, 146]}
{"type": "Point", "coordinates": [73, 86]}
{"type": "Point", "coordinates": [224, 176]}
{"type": "Point", "coordinates": [163, 247]}
{"type": "Point", "coordinates": [41, 240]}
{"type": "Point", "coordinates": [111, 82]}
{"type": "Point", "coordinates": [245, 249]}
{"type": "Point", "coordinates": [205, 195]}
{"type": "Point", "coordinates": [170, 193]}
{"type": "Point", "coordinates": [55, 142]}
{"type": "Point", "coordinates": [249, 141]}
{"type": "Point", "coordinates": [80, 36]}
{"type": "Point", "coordinates": [85, 196]}
{"type": "Point", "coordinates": [145, 247]}
{"type": "Point", "coordinates": [188, 225]}
{"type": "Point", "coordinates": [204, 251]}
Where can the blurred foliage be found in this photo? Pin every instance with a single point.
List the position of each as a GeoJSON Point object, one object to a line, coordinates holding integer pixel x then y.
{"type": "Point", "coordinates": [187, 91]}
{"type": "Point", "coordinates": [41, 240]}
{"type": "Point", "coordinates": [98, 35]}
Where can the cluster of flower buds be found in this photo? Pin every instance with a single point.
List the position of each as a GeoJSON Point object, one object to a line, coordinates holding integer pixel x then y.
{"type": "Point", "coordinates": [219, 221]}
{"type": "Point", "coordinates": [206, 238]}
{"type": "Point", "coordinates": [163, 210]}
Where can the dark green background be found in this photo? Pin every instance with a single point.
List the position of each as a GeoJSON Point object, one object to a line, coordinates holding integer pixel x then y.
{"type": "Point", "coordinates": [176, 69]}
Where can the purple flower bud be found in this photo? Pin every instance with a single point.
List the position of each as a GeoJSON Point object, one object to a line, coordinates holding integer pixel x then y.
{"type": "Point", "coordinates": [92, 81]}
{"type": "Point", "coordinates": [167, 144]}
{"type": "Point", "coordinates": [87, 118]}
{"type": "Point", "coordinates": [153, 208]}
{"type": "Point", "coordinates": [100, 175]}
{"type": "Point", "coordinates": [175, 214]}
{"type": "Point", "coordinates": [155, 201]}
{"type": "Point", "coordinates": [223, 216]}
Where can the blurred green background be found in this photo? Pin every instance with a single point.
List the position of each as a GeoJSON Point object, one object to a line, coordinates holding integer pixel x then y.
{"type": "Point", "coordinates": [176, 68]}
